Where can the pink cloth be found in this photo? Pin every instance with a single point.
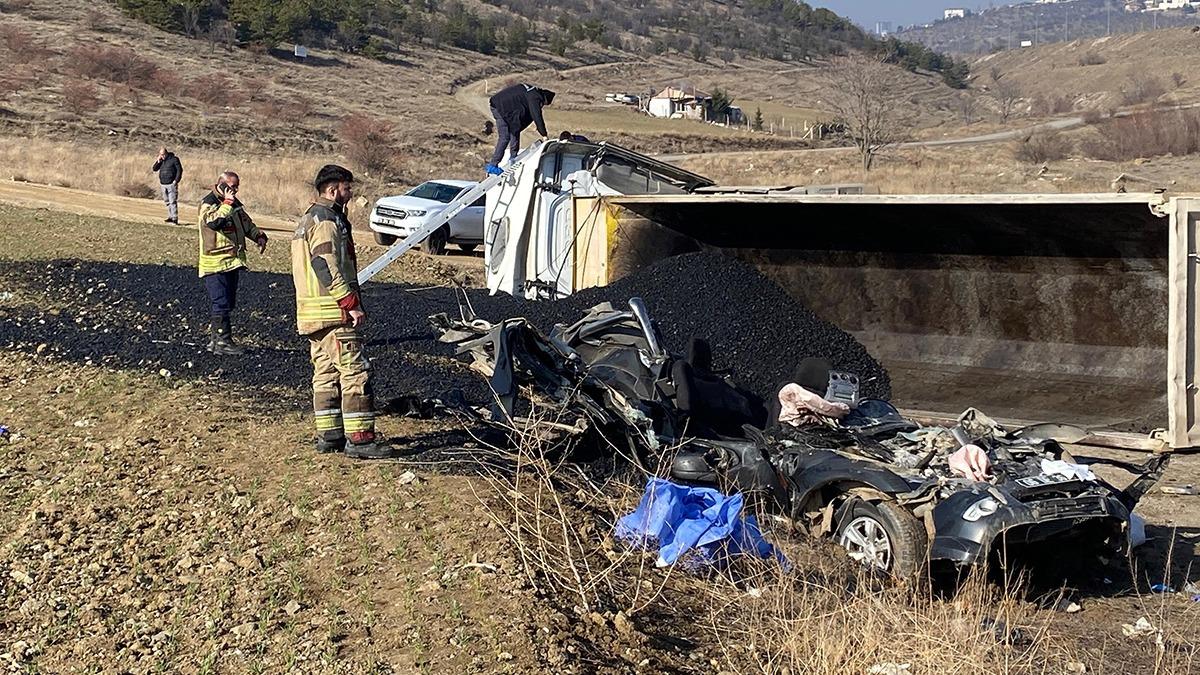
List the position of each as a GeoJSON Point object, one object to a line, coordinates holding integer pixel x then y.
{"type": "Point", "coordinates": [970, 461]}
{"type": "Point", "coordinates": [799, 406]}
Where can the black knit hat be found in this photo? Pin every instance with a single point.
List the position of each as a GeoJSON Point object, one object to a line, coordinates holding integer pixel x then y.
{"type": "Point", "coordinates": [332, 173]}
{"type": "Point", "coordinates": [547, 96]}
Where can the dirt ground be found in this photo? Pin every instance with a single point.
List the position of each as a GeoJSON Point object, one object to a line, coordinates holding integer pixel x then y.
{"type": "Point", "coordinates": [179, 522]}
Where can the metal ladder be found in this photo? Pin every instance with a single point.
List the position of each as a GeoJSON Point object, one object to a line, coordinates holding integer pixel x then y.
{"type": "Point", "coordinates": [453, 208]}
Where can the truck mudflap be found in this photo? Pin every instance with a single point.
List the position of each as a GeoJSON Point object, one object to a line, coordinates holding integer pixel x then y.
{"type": "Point", "coordinates": [971, 523]}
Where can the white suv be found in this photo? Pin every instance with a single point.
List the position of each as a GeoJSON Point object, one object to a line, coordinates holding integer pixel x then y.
{"type": "Point", "coordinates": [396, 217]}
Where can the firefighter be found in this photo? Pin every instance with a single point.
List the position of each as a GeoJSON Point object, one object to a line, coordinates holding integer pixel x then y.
{"type": "Point", "coordinates": [224, 228]}
{"type": "Point", "coordinates": [329, 311]}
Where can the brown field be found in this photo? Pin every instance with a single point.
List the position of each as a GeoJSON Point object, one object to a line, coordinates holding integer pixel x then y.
{"type": "Point", "coordinates": [163, 522]}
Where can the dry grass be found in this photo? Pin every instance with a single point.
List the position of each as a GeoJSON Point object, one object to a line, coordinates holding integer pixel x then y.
{"type": "Point", "coordinates": [1146, 134]}
{"type": "Point", "coordinates": [819, 616]}
{"type": "Point", "coordinates": [278, 184]}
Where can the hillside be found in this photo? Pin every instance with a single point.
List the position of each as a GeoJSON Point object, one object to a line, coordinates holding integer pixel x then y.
{"type": "Point", "coordinates": [1100, 74]}
{"type": "Point", "coordinates": [87, 112]}
{"type": "Point", "coordinates": [780, 29]}
{"type": "Point", "coordinates": [1006, 27]}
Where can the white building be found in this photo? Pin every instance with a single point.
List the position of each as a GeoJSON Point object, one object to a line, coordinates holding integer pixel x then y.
{"type": "Point", "coordinates": [1164, 5]}
{"type": "Point", "coordinates": [954, 13]}
{"type": "Point", "coordinates": [680, 102]}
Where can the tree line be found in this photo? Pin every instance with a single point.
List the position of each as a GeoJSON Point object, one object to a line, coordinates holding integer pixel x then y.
{"type": "Point", "coordinates": [368, 27]}
{"type": "Point", "coordinates": [777, 29]}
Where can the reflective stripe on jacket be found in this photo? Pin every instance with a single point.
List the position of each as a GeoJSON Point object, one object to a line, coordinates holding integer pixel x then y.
{"type": "Point", "coordinates": [224, 230]}
{"type": "Point", "coordinates": [324, 267]}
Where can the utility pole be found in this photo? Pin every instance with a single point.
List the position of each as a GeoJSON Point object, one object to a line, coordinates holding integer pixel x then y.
{"type": "Point", "coordinates": [1108, 16]}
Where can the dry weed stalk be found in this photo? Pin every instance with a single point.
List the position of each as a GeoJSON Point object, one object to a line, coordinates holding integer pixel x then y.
{"type": "Point", "coordinates": [821, 615]}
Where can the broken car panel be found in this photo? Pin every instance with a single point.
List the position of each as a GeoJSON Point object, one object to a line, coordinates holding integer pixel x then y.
{"type": "Point", "coordinates": [883, 486]}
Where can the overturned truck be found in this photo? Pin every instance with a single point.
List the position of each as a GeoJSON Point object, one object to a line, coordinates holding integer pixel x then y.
{"type": "Point", "coordinates": [1077, 307]}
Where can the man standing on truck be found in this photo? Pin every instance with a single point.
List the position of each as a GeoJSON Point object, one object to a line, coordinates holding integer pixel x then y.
{"type": "Point", "coordinates": [515, 108]}
{"type": "Point", "coordinates": [224, 229]}
{"type": "Point", "coordinates": [170, 172]}
{"type": "Point", "coordinates": [329, 311]}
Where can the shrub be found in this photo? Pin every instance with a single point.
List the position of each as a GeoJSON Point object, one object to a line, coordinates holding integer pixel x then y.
{"type": "Point", "coordinates": [80, 97]}
{"type": "Point", "coordinates": [112, 64]}
{"type": "Point", "coordinates": [136, 190]}
{"type": "Point", "coordinates": [1041, 147]}
{"type": "Point", "coordinates": [1092, 59]}
{"type": "Point", "coordinates": [95, 20]}
{"type": "Point", "coordinates": [167, 83]}
{"type": "Point", "coordinates": [13, 82]}
{"type": "Point", "coordinates": [1092, 116]}
{"type": "Point", "coordinates": [1146, 134]}
{"type": "Point", "coordinates": [123, 93]}
{"type": "Point", "coordinates": [1142, 90]}
{"type": "Point", "coordinates": [21, 46]}
{"type": "Point", "coordinates": [1052, 104]}
{"type": "Point", "coordinates": [1178, 79]}
{"type": "Point", "coordinates": [216, 89]}
{"type": "Point", "coordinates": [367, 142]}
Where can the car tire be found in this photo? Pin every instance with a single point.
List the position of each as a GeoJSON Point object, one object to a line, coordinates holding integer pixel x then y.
{"type": "Point", "coordinates": [897, 540]}
{"type": "Point", "coordinates": [435, 243]}
{"type": "Point", "coordinates": [468, 248]}
{"type": "Point", "coordinates": [384, 239]}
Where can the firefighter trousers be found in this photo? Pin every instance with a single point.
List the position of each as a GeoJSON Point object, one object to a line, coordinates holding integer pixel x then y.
{"type": "Point", "coordinates": [343, 400]}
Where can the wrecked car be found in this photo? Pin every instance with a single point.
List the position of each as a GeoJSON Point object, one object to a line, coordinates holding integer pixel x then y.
{"type": "Point", "coordinates": [881, 485]}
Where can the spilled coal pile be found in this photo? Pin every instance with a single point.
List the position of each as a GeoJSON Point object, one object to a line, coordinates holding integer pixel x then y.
{"type": "Point", "coordinates": [758, 332]}
{"type": "Point", "coordinates": [155, 318]}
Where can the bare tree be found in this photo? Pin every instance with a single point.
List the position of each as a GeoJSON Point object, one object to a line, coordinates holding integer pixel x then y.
{"type": "Point", "coordinates": [1005, 93]}
{"type": "Point", "coordinates": [867, 98]}
{"type": "Point", "coordinates": [968, 109]}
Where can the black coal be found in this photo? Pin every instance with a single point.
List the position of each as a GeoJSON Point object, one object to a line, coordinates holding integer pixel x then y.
{"type": "Point", "coordinates": [155, 317]}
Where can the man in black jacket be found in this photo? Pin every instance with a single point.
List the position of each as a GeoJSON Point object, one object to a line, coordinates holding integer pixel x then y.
{"type": "Point", "coordinates": [515, 108]}
{"type": "Point", "coordinates": [170, 172]}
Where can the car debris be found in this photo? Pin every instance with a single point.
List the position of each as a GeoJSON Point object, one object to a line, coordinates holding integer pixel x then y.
{"type": "Point", "coordinates": [881, 485]}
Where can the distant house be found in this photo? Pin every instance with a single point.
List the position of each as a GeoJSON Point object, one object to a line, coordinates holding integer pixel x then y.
{"type": "Point", "coordinates": [954, 13]}
{"type": "Point", "coordinates": [680, 103]}
{"type": "Point", "coordinates": [1164, 5]}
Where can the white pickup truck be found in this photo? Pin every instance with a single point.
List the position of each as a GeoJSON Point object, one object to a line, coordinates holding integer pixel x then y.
{"type": "Point", "coordinates": [396, 217]}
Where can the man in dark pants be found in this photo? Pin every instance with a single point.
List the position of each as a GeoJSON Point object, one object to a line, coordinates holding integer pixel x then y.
{"type": "Point", "coordinates": [224, 229]}
{"type": "Point", "coordinates": [170, 172]}
{"type": "Point", "coordinates": [515, 108]}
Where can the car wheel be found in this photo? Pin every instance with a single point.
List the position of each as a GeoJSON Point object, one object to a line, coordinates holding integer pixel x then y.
{"type": "Point", "coordinates": [435, 244]}
{"type": "Point", "coordinates": [385, 239]}
{"type": "Point", "coordinates": [467, 248]}
{"type": "Point", "coordinates": [883, 536]}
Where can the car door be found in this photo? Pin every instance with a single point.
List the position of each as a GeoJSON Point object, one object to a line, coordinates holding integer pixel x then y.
{"type": "Point", "coordinates": [467, 226]}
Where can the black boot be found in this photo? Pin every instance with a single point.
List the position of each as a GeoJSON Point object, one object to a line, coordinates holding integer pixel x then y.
{"type": "Point", "coordinates": [326, 444]}
{"type": "Point", "coordinates": [222, 338]}
{"type": "Point", "coordinates": [366, 445]}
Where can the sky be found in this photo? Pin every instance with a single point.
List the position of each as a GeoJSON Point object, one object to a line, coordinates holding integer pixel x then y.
{"type": "Point", "coordinates": [900, 12]}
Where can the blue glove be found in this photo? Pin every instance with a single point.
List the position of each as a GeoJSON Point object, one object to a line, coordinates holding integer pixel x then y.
{"type": "Point", "coordinates": [493, 170]}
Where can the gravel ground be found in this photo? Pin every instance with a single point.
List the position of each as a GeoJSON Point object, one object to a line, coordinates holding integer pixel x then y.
{"type": "Point", "coordinates": [154, 317]}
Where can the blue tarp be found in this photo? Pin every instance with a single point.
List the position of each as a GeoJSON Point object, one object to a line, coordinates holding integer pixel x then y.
{"type": "Point", "coordinates": [680, 520]}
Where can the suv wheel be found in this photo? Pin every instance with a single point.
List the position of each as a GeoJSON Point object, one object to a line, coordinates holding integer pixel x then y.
{"type": "Point", "coordinates": [883, 536]}
{"type": "Point", "coordinates": [384, 239]}
{"type": "Point", "coordinates": [435, 243]}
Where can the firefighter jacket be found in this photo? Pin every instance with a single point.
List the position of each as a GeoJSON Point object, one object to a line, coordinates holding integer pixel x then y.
{"type": "Point", "coordinates": [224, 229]}
{"type": "Point", "coordinates": [324, 268]}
